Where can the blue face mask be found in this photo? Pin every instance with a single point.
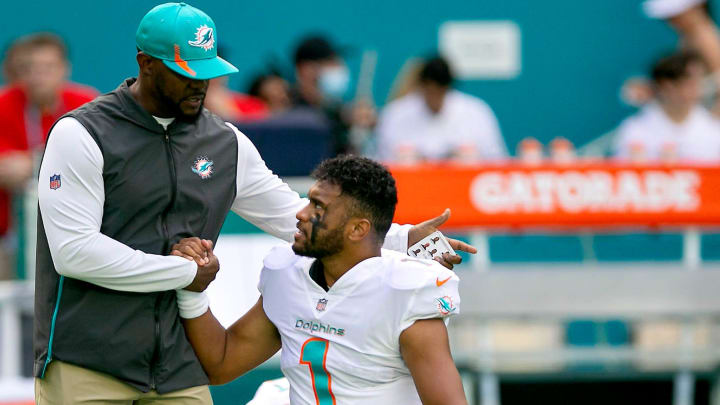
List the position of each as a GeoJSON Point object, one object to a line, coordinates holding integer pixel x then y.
{"type": "Point", "coordinates": [334, 82]}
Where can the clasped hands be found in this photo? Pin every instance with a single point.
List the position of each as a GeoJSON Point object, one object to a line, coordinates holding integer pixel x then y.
{"type": "Point", "coordinates": [201, 251]}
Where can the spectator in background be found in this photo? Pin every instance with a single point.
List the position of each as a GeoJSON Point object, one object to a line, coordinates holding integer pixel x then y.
{"type": "Point", "coordinates": [675, 126]}
{"type": "Point", "coordinates": [406, 81]}
{"type": "Point", "coordinates": [691, 20]}
{"type": "Point", "coordinates": [231, 105]}
{"type": "Point", "coordinates": [322, 80]}
{"type": "Point", "coordinates": [14, 61]}
{"type": "Point", "coordinates": [437, 122]}
{"type": "Point", "coordinates": [273, 90]}
{"type": "Point", "coordinates": [38, 93]}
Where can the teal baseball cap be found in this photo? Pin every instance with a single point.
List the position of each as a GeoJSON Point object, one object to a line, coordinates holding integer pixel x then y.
{"type": "Point", "coordinates": [185, 39]}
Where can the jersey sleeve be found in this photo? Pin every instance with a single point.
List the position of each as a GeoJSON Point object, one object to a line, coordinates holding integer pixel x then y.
{"type": "Point", "coordinates": [279, 258]}
{"type": "Point", "coordinates": [432, 294]}
{"type": "Point", "coordinates": [272, 392]}
{"type": "Point", "coordinates": [397, 238]}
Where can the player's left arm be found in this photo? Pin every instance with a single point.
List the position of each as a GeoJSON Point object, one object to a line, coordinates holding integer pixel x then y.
{"type": "Point", "coordinates": [425, 228]}
{"type": "Point", "coordinates": [426, 350]}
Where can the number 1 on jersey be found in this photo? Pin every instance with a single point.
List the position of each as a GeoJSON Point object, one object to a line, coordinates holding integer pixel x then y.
{"type": "Point", "coordinates": [313, 354]}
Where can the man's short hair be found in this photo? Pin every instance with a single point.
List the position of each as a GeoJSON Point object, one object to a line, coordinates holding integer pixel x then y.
{"type": "Point", "coordinates": [368, 183]}
{"type": "Point", "coordinates": [436, 70]}
{"type": "Point", "coordinates": [42, 39]}
{"type": "Point", "coordinates": [674, 66]}
{"type": "Point", "coordinates": [314, 48]}
{"type": "Point", "coordinates": [27, 43]}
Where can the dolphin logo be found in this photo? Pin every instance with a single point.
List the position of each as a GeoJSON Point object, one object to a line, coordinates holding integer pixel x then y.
{"type": "Point", "coordinates": [204, 38]}
{"type": "Point", "coordinates": [445, 305]}
{"type": "Point", "coordinates": [203, 167]}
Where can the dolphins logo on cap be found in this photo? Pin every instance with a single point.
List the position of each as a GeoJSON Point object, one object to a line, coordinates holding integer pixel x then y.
{"type": "Point", "coordinates": [204, 38]}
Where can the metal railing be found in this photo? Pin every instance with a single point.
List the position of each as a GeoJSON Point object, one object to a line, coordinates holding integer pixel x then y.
{"type": "Point", "coordinates": [549, 298]}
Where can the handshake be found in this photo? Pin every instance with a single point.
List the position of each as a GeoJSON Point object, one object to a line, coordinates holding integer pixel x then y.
{"type": "Point", "coordinates": [200, 251]}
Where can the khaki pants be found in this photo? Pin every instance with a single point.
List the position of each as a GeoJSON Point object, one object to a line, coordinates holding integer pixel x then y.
{"type": "Point", "coordinates": [66, 384]}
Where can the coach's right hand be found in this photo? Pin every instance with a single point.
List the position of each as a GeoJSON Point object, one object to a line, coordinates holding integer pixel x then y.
{"type": "Point", "coordinates": [199, 250]}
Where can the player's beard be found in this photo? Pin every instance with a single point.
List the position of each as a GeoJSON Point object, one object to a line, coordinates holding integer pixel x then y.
{"type": "Point", "coordinates": [322, 243]}
{"type": "Point", "coordinates": [172, 104]}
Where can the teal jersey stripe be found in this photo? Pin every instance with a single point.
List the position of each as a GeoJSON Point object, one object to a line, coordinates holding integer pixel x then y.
{"type": "Point", "coordinates": [52, 326]}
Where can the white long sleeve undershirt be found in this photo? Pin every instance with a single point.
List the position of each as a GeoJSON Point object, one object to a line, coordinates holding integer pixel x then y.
{"type": "Point", "coordinates": [72, 215]}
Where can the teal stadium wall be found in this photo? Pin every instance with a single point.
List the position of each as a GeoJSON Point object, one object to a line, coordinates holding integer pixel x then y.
{"type": "Point", "coordinates": [575, 54]}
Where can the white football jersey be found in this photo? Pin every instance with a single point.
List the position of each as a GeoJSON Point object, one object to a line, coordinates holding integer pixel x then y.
{"type": "Point", "coordinates": [272, 392]}
{"type": "Point", "coordinates": [342, 346]}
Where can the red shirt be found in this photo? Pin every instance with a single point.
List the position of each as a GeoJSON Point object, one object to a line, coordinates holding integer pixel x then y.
{"type": "Point", "coordinates": [25, 129]}
{"type": "Point", "coordinates": [252, 108]}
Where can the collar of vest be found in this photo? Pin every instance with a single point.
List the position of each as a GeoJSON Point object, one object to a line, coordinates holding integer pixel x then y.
{"type": "Point", "coordinates": [134, 112]}
{"type": "Point", "coordinates": [131, 110]}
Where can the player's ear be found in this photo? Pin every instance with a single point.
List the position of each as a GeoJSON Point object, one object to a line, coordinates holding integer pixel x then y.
{"type": "Point", "coordinates": [145, 63]}
{"type": "Point", "coordinates": [359, 228]}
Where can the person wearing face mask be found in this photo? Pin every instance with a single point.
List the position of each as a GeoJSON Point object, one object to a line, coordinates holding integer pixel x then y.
{"type": "Point", "coordinates": [322, 80]}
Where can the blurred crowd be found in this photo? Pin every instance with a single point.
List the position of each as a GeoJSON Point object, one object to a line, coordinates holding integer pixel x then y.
{"type": "Point", "coordinates": [425, 119]}
{"type": "Point", "coordinates": [36, 93]}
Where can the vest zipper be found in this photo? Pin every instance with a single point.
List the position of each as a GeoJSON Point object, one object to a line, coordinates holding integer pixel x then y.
{"type": "Point", "coordinates": [166, 245]}
{"type": "Point", "coordinates": [156, 349]}
{"type": "Point", "coordinates": [173, 188]}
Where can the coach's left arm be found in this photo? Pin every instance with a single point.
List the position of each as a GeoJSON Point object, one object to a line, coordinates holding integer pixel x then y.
{"type": "Point", "coordinates": [426, 350]}
{"type": "Point", "coordinates": [267, 202]}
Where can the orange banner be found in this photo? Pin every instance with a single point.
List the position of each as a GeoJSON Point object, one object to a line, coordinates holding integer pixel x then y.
{"type": "Point", "coordinates": [593, 194]}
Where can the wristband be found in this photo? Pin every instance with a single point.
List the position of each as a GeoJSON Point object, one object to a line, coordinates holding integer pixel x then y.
{"type": "Point", "coordinates": [192, 304]}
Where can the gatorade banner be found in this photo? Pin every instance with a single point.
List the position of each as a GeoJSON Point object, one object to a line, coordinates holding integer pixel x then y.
{"type": "Point", "coordinates": [597, 195]}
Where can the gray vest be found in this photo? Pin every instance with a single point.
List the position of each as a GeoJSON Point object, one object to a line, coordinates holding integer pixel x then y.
{"type": "Point", "coordinates": [153, 198]}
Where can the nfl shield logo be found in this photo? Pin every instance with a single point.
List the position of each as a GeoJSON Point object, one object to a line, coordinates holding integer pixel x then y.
{"type": "Point", "coordinates": [322, 303]}
{"type": "Point", "coordinates": [55, 182]}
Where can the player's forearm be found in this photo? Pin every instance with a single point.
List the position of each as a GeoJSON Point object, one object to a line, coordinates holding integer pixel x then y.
{"type": "Point", "coordinates": [252, 339]}
{"type": "Point", "coordinates": [227, 354]}
{"type": "Point", "coordinates": [241, 356]}
{"type": "Point", "coordinates": [209, 340]}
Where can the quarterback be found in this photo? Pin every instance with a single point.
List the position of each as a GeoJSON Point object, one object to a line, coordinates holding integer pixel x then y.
{"type": "Point", "coordinates": [356, 324]}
